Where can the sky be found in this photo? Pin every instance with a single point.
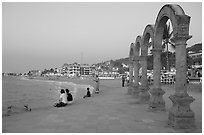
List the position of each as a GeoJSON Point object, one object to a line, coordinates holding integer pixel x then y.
{"type": "Point", "coordinates": [47, 35]}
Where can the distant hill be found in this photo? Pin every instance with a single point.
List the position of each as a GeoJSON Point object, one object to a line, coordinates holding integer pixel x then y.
{"type": "Point", "coordinates": [118, 62]}
{"type": "Point", "coordinates": [195, 48]}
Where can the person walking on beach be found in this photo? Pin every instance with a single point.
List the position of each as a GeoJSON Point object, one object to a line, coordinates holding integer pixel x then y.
{"type": "Point", "coordinates": [123, 81]}
{"type": "Point", "coordinates": [69, 97]}
{"type": "Point", "coordinates": [149, 80]}
{"type": "Point", "coordinates": [97, 84]}
{"type": "Point", "coordinates": [62, 100]}
{"type": "Point", "coordinates": [88, 94]}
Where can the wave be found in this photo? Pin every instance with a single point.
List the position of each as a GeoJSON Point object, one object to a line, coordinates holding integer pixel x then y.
{"type": "Point", "coordinates": [64, 85]}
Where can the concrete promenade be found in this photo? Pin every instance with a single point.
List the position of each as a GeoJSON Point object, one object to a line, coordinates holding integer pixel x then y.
{"type": "Point", "coordinates": [110, 111]}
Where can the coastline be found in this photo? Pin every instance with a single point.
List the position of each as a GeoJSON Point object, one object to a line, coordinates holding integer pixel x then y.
{"type": "Point", "coordinates": [40, 92]}
{"type": "Point", "coordinates": [76, 80]}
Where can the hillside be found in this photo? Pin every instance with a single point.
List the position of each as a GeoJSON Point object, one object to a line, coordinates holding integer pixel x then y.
{"type": "Point", "coordinates": [118, 63]}
{"type": "Point", "coordinates": [195, 48]}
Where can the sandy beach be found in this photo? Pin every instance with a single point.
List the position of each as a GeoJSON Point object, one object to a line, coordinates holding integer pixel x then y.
{"type": "Point", "coordinates": [110, 111]}
{"type": "Point", "coordinates": [40, 92]}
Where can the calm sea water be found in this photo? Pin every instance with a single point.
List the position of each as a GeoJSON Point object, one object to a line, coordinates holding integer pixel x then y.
{"type": "Point", "coordinates": [37, 94]}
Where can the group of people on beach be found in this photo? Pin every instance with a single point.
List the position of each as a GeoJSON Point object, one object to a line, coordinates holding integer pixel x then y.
{"type": "Point", "coordinates": [66, 97]}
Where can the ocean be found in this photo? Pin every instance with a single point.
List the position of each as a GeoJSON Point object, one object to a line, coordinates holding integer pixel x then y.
{"type": "Point", "coordinates": [36, 94]}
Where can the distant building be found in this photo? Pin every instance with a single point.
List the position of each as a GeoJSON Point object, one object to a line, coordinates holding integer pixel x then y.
{"type": "Point", "coordinates": [93, 70]}
{"type": "Point", "coordinates": [115, 68]}
{"type": "Point", "coordinates": [124, 65]}
{"type": "Point", "coordinates": [85, 69]}
{"type": "Point", "coordinates": [64, 69]}
{"type": "Point", "coordinates": [196, 57]}
{"type": "Point", "coordinates": [34, 73]}
{"type": "Point", "coordinates": [76, 69]}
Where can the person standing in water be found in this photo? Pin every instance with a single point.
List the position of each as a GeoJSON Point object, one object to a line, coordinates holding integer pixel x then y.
{"type": "Point", "coordinates": [97, 84]}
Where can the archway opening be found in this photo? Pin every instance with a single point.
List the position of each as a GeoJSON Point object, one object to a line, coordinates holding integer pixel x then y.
{"type": "Point", "coordinates": [168, 48]}
{"type": "Point", "coordinates": [138, 53]}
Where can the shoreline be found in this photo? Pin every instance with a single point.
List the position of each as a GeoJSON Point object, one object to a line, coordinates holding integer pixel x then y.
{"type": "Point", "coordinates": [76, 80]}
{"type": "Point", "coordinates": [43, 90]}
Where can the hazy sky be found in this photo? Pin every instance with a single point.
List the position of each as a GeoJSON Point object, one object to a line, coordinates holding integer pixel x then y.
{"type": "Point", "coordinates": [47, 35]}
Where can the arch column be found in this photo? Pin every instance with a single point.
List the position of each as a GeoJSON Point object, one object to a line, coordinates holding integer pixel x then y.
{"type": "Point", "coordinates": [130, 84]}
{"type": "Point", "coordinates": [180, 114]}
{"type": "Point", "coordinates": [136, 77]}
{"type": "Point", "coordinates": [144, 95]}
{"type": "Point", "coordinates": [156, 100]}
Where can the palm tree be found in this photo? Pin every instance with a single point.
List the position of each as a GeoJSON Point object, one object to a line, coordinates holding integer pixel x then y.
{"type": "Point", "coordinates": [167, 35]}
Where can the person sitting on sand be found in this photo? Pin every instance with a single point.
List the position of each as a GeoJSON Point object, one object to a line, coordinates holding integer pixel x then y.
{"type": "Point", "coordinates": [88, 94]}
{"type": "Point", "coordinates": [69, 97]}
{"type": "Point", "coordinates": [62, 100]}
{"type": "Point", "coordinates": [27, 108]}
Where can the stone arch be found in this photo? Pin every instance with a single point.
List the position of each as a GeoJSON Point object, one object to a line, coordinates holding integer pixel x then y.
{"type": "Point", "coordinates": [179, 20]}
{"type": "Point", "coordinates": [131, 59]}
{"type": "Point", "coordinates": [147, 34]}
{"type": "Point", "coordinates": [178, 118]}
{"type": "Point", "coordinates": [132, 51]}
{"type": "Point", "coordinates": [138, 44]}
{"type": "Point", "coordinates": [136, 65]}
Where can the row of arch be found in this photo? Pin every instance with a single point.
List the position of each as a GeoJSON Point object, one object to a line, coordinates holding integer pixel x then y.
{"type": "Point", "coordinates": [180, 115]}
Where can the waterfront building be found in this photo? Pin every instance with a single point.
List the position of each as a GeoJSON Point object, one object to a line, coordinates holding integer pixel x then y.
{"type": "Point", "coordinates": [74, 69]}
{"type": "Point", "coordinates": [64, 69]}
{"type": "Point", "coordinates": [85, 70]}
